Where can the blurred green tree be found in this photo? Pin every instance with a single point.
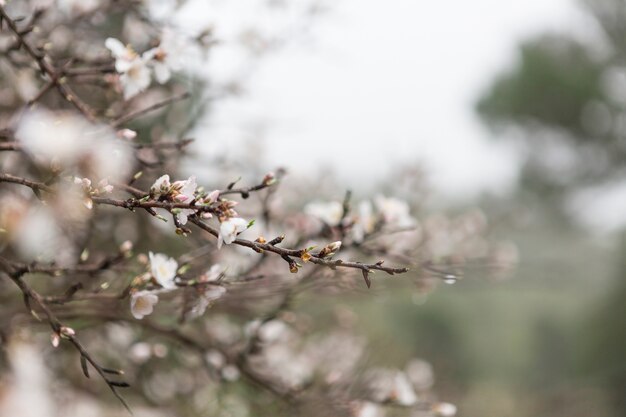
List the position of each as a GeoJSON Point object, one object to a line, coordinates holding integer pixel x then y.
{"type": "Point", "coordinates": [565, 101]}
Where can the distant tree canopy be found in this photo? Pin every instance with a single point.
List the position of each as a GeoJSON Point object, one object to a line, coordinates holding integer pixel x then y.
{"type": "Point", "coordinates": [568, 98]}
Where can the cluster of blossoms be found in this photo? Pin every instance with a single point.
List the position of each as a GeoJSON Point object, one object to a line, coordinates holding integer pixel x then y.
{"type": "Point", "coordinates": [136, 70]}
{"type": "Point", "coordinates": [66, 142]}
{"type": "Point", "coordinates": [367, 218]}
{"type": "Point", "coordinates": [186, 191]}
{"type": "Point", "coordinates": [162, 278]}
{"type": "Point", "coordinates": [103, 187]}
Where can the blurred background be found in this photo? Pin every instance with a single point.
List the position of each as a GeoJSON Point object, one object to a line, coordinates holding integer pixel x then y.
{"type": "Point", "coordinates": [514, 110]}
{"type": "Point", "coordinates": [515, 107]}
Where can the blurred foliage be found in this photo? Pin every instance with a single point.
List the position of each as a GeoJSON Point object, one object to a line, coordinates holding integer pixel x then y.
{"type": "Point", "coordinates": [567, 96]}
{"type": "Point", "coordinates": [565, 99]}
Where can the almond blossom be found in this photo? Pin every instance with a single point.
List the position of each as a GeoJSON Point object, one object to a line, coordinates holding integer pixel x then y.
{"type": "Point", "coordinates": [185, 190]}
{"type": "Point", "coordinates": [328, 212]}
{"type": "Point", "coordinates": [161, 186]}
{"type": "Point", "coordinates": [163, 269]}
{"type": "Point", "coordinates": [229, 230]}
{"type": "Point", "coordinates": [167, 57]}
{"type": "Point", "coordinates": [135, 75]}
{"type": "Point", "coordinates": [142, 303]}
{"type": "Point", "coordinates": [365, 221]}
{"type": "Point", "coordinates": [394, 211]}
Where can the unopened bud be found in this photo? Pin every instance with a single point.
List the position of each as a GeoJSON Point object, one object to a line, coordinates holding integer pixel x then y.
{"type": "Point", "coordinates": [269, 179]}
{"type": "Point", "coordinates": [55, 339]}
{"type": "Point", "coordinates": [212, 197]}
{"type": "Point", "coordinates": [126, 247]}
{"type": "Point", "coordinates": [67, 331]}
{"type": "Point", "coordinates": [330, 249]}
{"type": "Point", "coordinates": [127, 134]}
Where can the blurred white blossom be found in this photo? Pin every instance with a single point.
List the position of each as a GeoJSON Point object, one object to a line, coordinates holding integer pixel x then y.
{"type": "Point", "coordinates": [229, 230]}
{"type": "Point", "coordinates": [445, 409]}
{"type": "Point", "coordinates": [70, 140]}
{"type": "Point", "coordinates": [142, 303]}
{"type": "Point", "coordinates": [134, 72]}
{"type": "Point", "coordinates": [163, 269]}
{"type": "Point", "coordinates": [364, 222]}
{"type": "Point", "coordinates": [394, 211]}
{"type": "Point", "coordinates": [169, 55]}
{"type": "Point", "coordinates": [161, 186]}
{"type": "Point", "coordinates": [328, 212]}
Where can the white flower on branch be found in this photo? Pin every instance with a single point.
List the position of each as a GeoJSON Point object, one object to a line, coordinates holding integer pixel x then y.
{"type": "Point", "coordinates": [394, 211]}
{"type": "Point", "coordinates": [163, 269]}
{"type": "Point", "coordinates": [185, 189]}
{"type": "Point", "coordinates": [229, 229]}
{"type": "Point", "coordinates": [206, 298]}
{"type": "Point", "coordinates": [135, 75]}
{"type": "Point", "coordinates": [213, 274]}
{"type": "Point", "coordinates": [364, 222]}
{"type": "Point", "coordinates": [328, 212]}
{"type": "Point", "coordinates": [142, 303]}
{"type": "Point", "coordinates": [161, 186]}
{"type": "Point", "coordinates": [387, 385]}
{"type": "Point", "coordinates": [185, 194]}
{"type": "Point", "coordinates": [168, 56]}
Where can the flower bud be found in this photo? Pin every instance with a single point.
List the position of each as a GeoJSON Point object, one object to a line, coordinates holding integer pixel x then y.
{"type": "Point", "coordinates": [55, 339]}
{"type": "Point", "coordinates": [126, 247]}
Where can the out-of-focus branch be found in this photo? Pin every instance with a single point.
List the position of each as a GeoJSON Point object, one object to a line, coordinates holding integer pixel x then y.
{"type": "Point", "coordinates": [62, 331]}
{"type": "Point", "coordinates": [137, 113]}
{"type": "Point", "coordinates": [46, 67]}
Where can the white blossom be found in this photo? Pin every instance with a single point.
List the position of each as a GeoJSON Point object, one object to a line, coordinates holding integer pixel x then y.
{"type": "Point", "coordinates": [54, 136]}
{"type": "Point", "coordinates": [328, 212]}
{"type": "Point", "coordinates": [394, 211]}
{"type": "Point", "coordinates": [142, 303]}
{"type": "Point", "coordinates": [229, 230]}
{"type": "Point", "coordinates": [186, 190]}
{"type": "Point", "coordinates": [364, 222]}
{"type": "Point", "coordinates": [161, 186]}
{"type": "Point", "coordinates": [403, 390]}
{"type": "Point", "coordinates": [445, 409]}
{"type": "Point", "coordinates": [168, 56]}
{"type": "Point", "coordinates": [212, 197]}
{"type": "Point", "coordinates": [213, 274]}
{"type": "Point", "coordinates": [135, 75]}
{"type": "Point", "coordinates": [68, 139]}
{"type": "Point", "coordinates": [369, 409]}
{"type": "Point", "coordinates": [208, 296]}
{"type": "Point", "coordinates": [163, 269]}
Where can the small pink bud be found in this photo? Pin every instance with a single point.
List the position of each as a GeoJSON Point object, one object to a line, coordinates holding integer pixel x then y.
{"type": "Point", "coordinates": [67, 331]}
{"type": "Point", "coordinates": [127, 246]}
{"type": "Point", "coordinates": [269, 178]}
{"type": "Point", "coordinates": [212, 197]}
{"type": "Point", "coordinates": [55, 339]}
{"type": "Point", "coordinates": [127, 134]}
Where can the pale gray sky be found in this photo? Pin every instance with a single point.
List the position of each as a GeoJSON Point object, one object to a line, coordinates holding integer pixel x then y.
{"type": "Point", "coordinates": [385, 83]}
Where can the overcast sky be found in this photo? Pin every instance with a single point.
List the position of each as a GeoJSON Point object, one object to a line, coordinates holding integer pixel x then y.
{"type": "Point", "coordinates": [391, 82]}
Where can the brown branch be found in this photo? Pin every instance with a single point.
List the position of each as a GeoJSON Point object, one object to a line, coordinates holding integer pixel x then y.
{"type": "Point", "coordinates": [10, 146]}
{"type": "Point", "coordinates": [16, 275]}
{"type": "Point", "coordinates": [133, 115]}
{"type": "Point", "coordinates": [35, 186]}
{"type": "Point", "coordinates": [46, 68]}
